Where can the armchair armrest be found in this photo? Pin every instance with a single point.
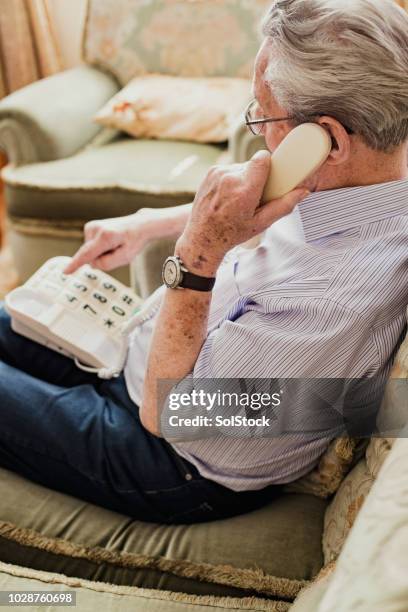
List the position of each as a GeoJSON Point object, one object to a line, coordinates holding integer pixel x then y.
{"type": "Point", "coordinates": [52, 118]}
{"type": "Point", "coordinates": [242, 144]}
{"type": "Point", "coordinates": [146, 268]}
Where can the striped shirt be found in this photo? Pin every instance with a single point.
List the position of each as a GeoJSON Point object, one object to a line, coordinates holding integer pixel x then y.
{"type": "Point", "coordinates": [323, 296]}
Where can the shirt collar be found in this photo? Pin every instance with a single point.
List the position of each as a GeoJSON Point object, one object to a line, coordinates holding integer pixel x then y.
{"type": "Point", "coordinates": [330, 212]}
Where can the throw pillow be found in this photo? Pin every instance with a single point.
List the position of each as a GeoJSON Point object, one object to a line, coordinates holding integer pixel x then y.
{"type": "Point", "coordinates": [325, 479]}
{"type": "Point", "coordinates": [344, 508]}
{"type": "Point", "coordinates": [175, 108]}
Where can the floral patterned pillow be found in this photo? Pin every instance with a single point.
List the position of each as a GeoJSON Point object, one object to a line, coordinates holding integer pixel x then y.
{"type": "Point", "coordinates": [175, 108]}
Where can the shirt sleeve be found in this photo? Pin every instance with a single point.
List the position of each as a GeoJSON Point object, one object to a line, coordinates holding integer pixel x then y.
{"type": "Point", "coordinates": [310, 338]}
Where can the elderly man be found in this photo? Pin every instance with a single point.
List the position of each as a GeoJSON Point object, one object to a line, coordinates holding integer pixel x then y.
{"type": "Point", "coordinates": [326, 299]}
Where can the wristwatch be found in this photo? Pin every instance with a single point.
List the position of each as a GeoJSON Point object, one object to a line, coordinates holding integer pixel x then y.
{"type": "Point", "coordinates": [176, 276]}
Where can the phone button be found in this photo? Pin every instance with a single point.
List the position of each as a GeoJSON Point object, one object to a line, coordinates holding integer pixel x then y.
{"type": "Point", "coordinates": [99, 298]}
{"type": "Point", "coordinates": [118, 311]}
{"type": "Point", "coordinates": [89, 275]}
{"type": "Point", "coordinates": [49, 288]}
{"type": "Point", "coordinates": [127, 300]}
{"type": "Point", "coordinates": [90, 311]}
{"type": "Point", "coordinates": [108, 287]}
{"type": "Point", "coordinates": [79, 287]}
{"type": "Point", "coordinates": [69, 299]}
{"type": "Point", "coordinates": [110, 325]}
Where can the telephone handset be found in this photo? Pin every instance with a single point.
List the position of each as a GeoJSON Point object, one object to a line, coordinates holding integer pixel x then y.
{"type": "Point", "coordinates": [298, 156]}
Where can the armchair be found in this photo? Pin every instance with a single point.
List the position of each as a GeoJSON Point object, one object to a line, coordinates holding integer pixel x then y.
{"type": "Point", "coordinates": [65, 170]}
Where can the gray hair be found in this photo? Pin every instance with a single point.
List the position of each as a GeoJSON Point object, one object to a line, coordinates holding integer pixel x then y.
{"type": "Point", "coordinates": [344, 58]}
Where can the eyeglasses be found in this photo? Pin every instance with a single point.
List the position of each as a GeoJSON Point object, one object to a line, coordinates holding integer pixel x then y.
{"type": "Point", "coordinates": [254, 123]}
{"type": "Point", "coordinates": [257, 125]}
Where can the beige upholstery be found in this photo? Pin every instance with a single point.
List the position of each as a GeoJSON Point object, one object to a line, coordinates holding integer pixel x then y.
{"type": "Point", "coordinates": [92, 596]}
{"type": "Point", "coordinates": [55, 532]}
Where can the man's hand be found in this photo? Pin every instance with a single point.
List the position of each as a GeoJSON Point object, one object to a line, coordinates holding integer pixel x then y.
{"type": "Point", "coordinates": [112, 243]}
{"type": "Point", "coordinates": [227, 211]}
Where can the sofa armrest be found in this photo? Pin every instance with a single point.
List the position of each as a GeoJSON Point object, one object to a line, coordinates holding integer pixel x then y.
{"type": "Point", "coordinates": [242, 144]}
{"type": "Point", "coordinates": [370, 572]}
{"type": "Point", "coordinates": [52, 118]}
{"type": "Point", "coordinates": [309, 598]}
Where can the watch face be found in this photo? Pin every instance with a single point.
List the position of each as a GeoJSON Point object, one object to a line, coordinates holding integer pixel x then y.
{"type": "Point", "coordinates": [172, 273]}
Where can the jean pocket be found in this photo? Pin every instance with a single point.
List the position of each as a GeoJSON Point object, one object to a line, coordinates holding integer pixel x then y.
{"type": "Point", "coordinates": [187, 471]}
{"type": "Point", "coordinates": [187, 502]}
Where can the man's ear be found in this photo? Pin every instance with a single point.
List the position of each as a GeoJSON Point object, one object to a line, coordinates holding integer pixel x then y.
{"type": "Point", "coordinates": [341, 140]}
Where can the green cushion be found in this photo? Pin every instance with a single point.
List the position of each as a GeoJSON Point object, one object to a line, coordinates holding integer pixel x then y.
{"type": "Point", "coordinates": [92, 596]}
{"type": "Point", "coordinates": [271, 552]}
{"type": "Point", "coordinates": [110, 180]}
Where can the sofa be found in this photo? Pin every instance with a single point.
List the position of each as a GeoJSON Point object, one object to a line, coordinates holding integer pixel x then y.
{"type": "Point", "coordinates": [65, 170]}
{"type": "Point", "coordinates": [334, 540]}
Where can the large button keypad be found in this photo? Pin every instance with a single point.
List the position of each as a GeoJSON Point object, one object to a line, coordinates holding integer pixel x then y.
{"type": "Point", "coordinates": [92, 294]}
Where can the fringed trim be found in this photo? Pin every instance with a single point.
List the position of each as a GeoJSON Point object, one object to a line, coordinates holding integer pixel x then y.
{"type": "Point", "coordinates": [244, 579]}
{"type": "Point", "coordinates": [345, 448]}
{"type": "Point", "coordinates": [325, 572]}
{"type": "Point", "coordinates": [228, 603]}
{"type": "Point", "coordinates": [72, 229]}
{"type": "Point", "coordinates": [334, 465]}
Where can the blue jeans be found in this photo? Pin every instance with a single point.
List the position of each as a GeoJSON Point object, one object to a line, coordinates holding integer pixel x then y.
{"type": "Point", "coordinates": [70, 431]}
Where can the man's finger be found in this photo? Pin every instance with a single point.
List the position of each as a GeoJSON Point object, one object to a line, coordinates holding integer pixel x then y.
{"type": "Point", "coordinates": [260, 164]}
{"type": "Point", "coordinates": [276, 209]}
{"type": "Point", "coordinates": [258, 170]}
{"type": "Point", "coordinates": [112, 260]}
{"type": "Point", "coordinates": [87, 254]}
